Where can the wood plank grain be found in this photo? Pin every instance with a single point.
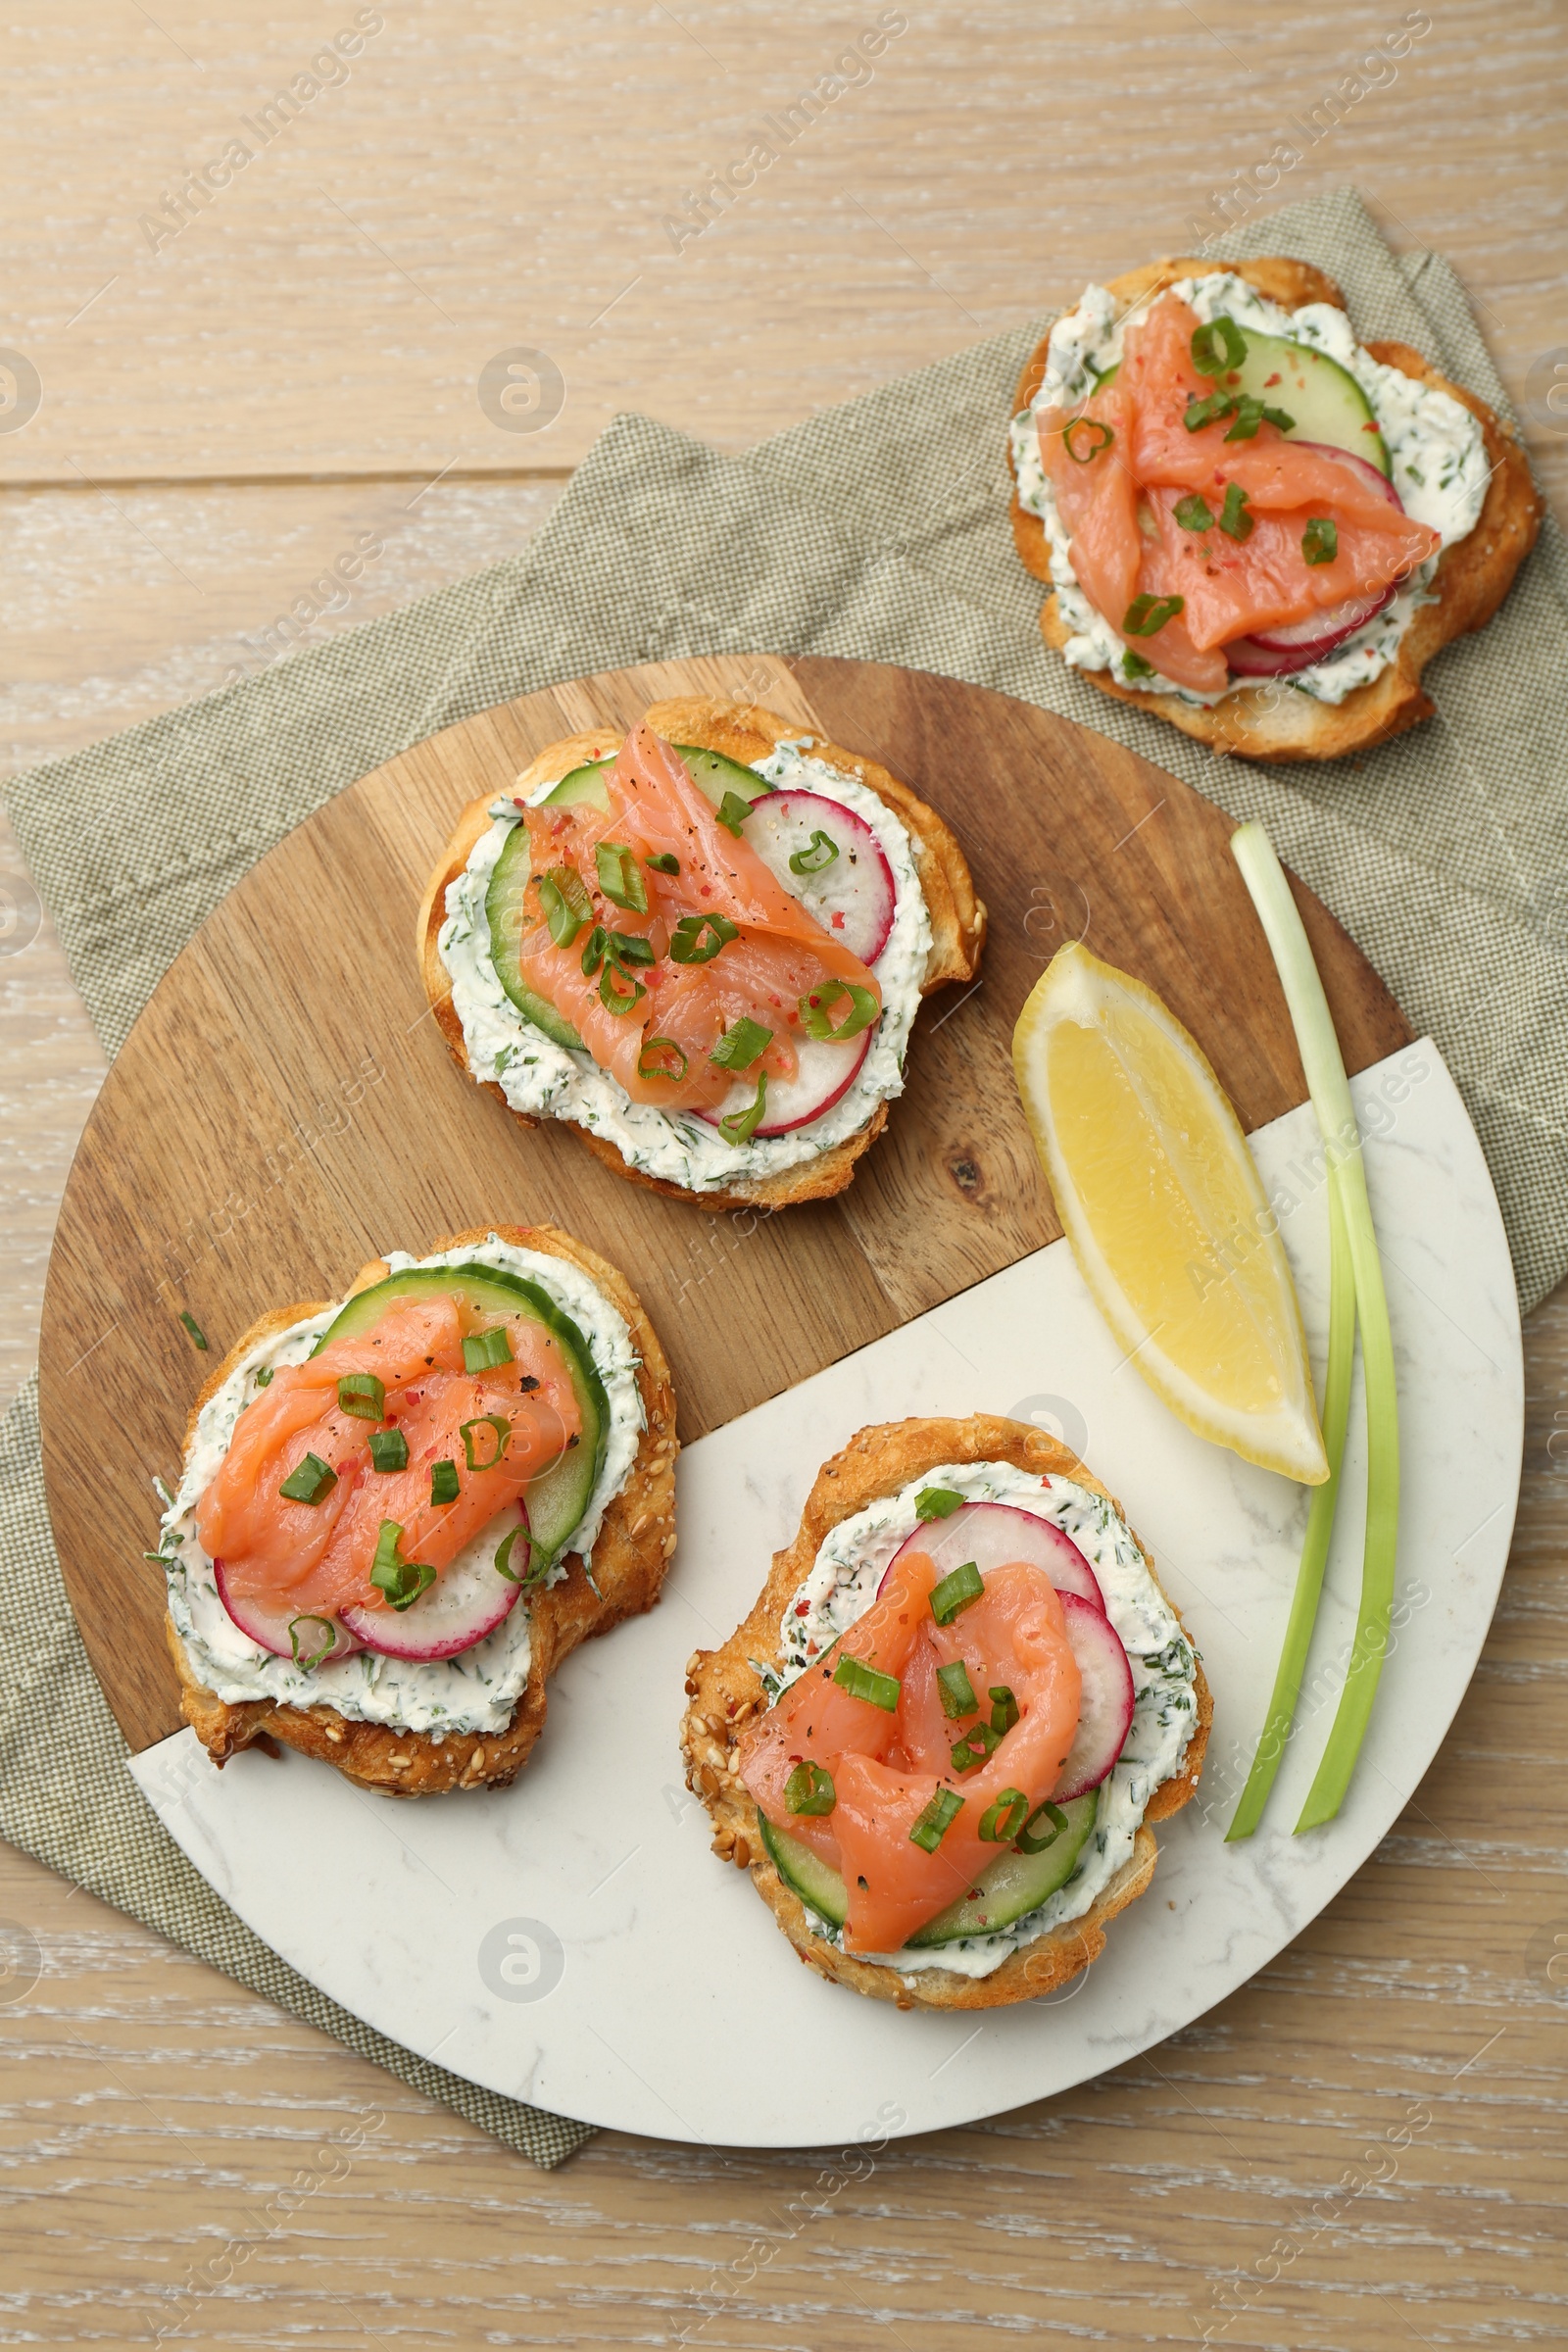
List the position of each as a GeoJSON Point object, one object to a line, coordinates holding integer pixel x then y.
{"type": "Point", "coordinates": [285, 1107]}
{"type": "Point", "coordinates": [333, 305]}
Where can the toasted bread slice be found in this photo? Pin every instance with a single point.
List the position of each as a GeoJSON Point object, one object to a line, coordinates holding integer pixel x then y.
{"type": "Point", "coordinates": [725, 1691]}
{"type": "Point", "coordinates": [1267, 721]}
{"type": "Point", "coordinates": [745, 733]}
{"type": "Point", "coordinates": [631, 1555]}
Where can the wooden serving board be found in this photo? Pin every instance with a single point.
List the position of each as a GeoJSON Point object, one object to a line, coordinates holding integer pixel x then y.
{"type": "Point", "coordinates": [285, 1107]}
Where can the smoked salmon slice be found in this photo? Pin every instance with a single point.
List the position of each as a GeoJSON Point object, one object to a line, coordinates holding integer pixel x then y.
{"type": "Point", "coordinates": [1123, 461]}
{"type": "Point", "coordinates": [887, 1766]}
{"type": "Point", "coordinates": [317, 1556]}
{"type": "Point", "coordinates": [683, 979]}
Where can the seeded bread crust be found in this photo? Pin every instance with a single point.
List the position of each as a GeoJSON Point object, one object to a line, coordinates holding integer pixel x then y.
{"type": "Point", "coordinates": [725, 1693]}
{"type": "Point", "coordinates": [745, 733]}
{"type": "Point", "coordinates": [631, 1557]}
{"type": "Point", "coordinates": [1270, 720]}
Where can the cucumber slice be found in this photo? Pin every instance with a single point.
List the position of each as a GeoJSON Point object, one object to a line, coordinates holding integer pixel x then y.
{"type": "Point", "coordinates": [504, 912]}
{"type": "Point", "coordinates": [1323, 400]}
{"type": "Point", "coordinates": [558, 1500]}
{"type": "Point", "coordinates": [1011, 1886]}
{"type": "Point", "coordinates": [715, 775]}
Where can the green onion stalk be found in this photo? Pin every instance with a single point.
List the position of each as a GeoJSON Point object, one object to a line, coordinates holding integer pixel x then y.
{"type": "Point", "coordinates": [1356, 1294]}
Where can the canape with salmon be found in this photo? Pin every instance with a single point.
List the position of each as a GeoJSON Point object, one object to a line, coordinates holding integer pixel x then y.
{"type": "Point", "coordinates": [1252, 524]}
{"type": "Point", "coordinates": [401, 1510]}
{"type": "Point", "coordinates": [938, 1740]}
{"type": "Point", "coordinates": [702, 945]}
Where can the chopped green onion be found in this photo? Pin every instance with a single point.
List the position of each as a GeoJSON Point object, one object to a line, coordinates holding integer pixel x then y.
{"type": "Point", "coordinates": [936, 1819]}
{"type": "Point", "coordinates": [688, 944]}
{"type": "Point", "coordinates": [1001, 1823]}
{"type": "Point", "coordinates": [978, 1744]}
{"type": "Point", "coordinates": [1133, 666]}
{"type": "Point", "coordinates": [1234, 518]}
{"type": "Point", "coordinates": [324, 1649]}
{"type": "Point", "coordinates": [740, 1046]}
{"type": "Point", "coordinates": [937, 1502]}
{"type": "Point", "coordinates": [1217, 346]}
{"type": "Point", "coordinates": [817, 1021]}
{"type": "Point", "coordinates": [483, 1351]}
{"type": "Point", "coordinates": [402, 1580]}
{"type": "Point", "coordinates": [593, 954]}
{"type": "Point", "coordinates": [1148, 615]}
{"type": "Point", "coordinates": [1194, 513]}
{"type": "Point", "coordinates": [956, 1593]}
{"type": "Point", "coordinates": [362, 1396]}
{"type": "Point", "coordinates": [619, 879]}
{"type": "Point", "coordinates": [263, 1377]}
{"type": "Point", "coordinates": [389, 1449]}
{"type": "Point", "coordinates": [1330, 1092]}
{"type": "Point", "coordinates": [739, 1126]}
{"type": "Point", "coordinates": [1250, 414]}
{"type": "Point", "coordinates": [503, 1436]}
{"type": "Point", "coordinates": [445, 1486]}
{"type": "Point", "coordinates": [630, 947]}
{"type": "Point", "coordinates": [566, 904]}
{"type": "Point", "coordinates": [651, 1062]}
{"type": "Point", "coordinates": [733, 812]}
{"type": "Point", "coordinates": [1090, 425]}
{"type": "Point", "coordinates": [869, 1682]}
{"type": "Point", "coordinates": [538, 1561]}
{"type": "Point", "coordinates": [1209, 411]}
{"type": "Point", "coordinates": [1276, 1732]}
{"type": "Point", "coordinates": [194, 1327]}
{"type": "Point", "coordinates": [618, 991]}
{"type": "Point", "coordinates": [810, 1789]}
{"type": "Point", "coordinates": [308, 1480]}
{"type": "Point", "coordinates": [1004, 1710]}
{"type": "Point", "coordinates": [1028, 1839]}
{"type": "Point", "coordinates": [664, 862]}
{"type": "Point", "coordinates": [818, 856]}
{"type": "Point", "coordinates": [957, 1692]}
{"type": "Point", "coordinates": [1320, 541]}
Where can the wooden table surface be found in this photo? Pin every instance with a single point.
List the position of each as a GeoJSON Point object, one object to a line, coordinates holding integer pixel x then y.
{"type": "Point", "coordinates": [1360, 2150]}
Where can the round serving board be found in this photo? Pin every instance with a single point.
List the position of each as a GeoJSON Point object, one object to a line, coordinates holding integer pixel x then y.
{"type": "Point", "coordinates": [285, 1107]}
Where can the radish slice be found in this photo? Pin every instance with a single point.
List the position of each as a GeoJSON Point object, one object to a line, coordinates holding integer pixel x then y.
{"type": "Point", "coordinates": [269, 1625]}
{"type": "Point", "coordinates": [851, 895]}
{"type": "Point", "coordinates": [466, 1601]}
{"type": "Point", "coordinates": [826, 1070]}
{"type": "Point", "coordinates": [1106, 1708]}
{"type": "Point", "coordinates": [993, 1533]}
{"type": "Point", "coordinates": [1276, 653]}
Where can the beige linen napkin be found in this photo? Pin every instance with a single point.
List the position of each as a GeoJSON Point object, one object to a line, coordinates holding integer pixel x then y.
{"type": "Point", "coordinates": [876, 530]}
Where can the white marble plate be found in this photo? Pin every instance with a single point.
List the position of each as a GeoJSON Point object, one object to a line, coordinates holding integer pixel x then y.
{"type": "Point", "coordinates": [573, 1941]}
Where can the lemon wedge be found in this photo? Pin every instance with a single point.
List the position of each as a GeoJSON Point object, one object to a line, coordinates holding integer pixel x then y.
{"type": "Point", "coordinates": [1166, 1212]}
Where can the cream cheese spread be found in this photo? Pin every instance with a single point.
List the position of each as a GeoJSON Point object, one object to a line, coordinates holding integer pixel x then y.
{"type": "Point", "coordinates": [1436, 449]}
{"type": "Point", "coordinates": [843, 1583]}
{"type": "Point", "coordinates": [546, 1079]}
{"type": "Point", "coordinates": [476, 1692]}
